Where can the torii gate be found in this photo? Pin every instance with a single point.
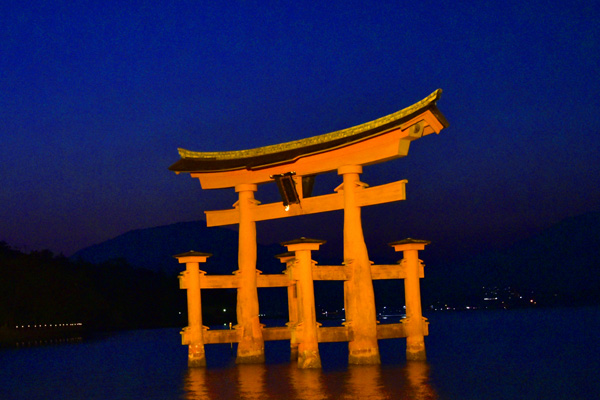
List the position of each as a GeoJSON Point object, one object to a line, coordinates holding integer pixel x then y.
{"type": "Point", "coordinates": [293, 165]}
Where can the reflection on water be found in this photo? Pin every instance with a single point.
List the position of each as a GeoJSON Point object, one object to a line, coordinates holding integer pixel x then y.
{"type": "Point", "coordinates": [477, 355]}
{"type": "Point", "coordinates": [251, 380]}
{"type": "Point", "coordinates": [417, 374]}
{"type": "Point", "coordinates": [308, 383]}
{"type": "Point", "coordinates": [364, 382]}
{"type": "Point", "coordinates": [195, 384]}
{"type": "Point", "coordinates": [261, 381]}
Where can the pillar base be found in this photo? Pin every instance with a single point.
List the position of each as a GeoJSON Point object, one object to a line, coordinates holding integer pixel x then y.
{"type": "Point", "coordinates": [250, 356]}
{"type": "Point", "coordinates": [415, 349]}
{"type": "Point", "coordinates": [255, 359]}
{"type": "Point", "coordinates": [196, 356]}
{"type": "Point", "coordinates": [364, 357]}
{"type": "Point", "coordinates": [309, 359]}
{"type": "Point", "coordinates": [416, 356]}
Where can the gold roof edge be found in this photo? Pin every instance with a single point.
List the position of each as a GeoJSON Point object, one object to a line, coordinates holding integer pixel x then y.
{"type": "Point", "coordinates": [323, 138]}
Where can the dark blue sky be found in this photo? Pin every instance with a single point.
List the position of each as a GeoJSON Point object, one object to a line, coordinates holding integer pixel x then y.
{"type": "Point", "coordinates": [95, 100]}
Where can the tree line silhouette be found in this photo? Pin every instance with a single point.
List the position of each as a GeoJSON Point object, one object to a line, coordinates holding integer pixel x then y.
{"type": "Point", "coordinates": [43, 288]}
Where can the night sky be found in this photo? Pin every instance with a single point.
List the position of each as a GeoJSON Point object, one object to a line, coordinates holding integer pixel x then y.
{"type": "Point", "coordinates": [95, 99]}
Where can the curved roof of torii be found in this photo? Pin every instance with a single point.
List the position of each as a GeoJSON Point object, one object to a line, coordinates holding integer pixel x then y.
{"type": "Point", "coordinates": [262, 157]}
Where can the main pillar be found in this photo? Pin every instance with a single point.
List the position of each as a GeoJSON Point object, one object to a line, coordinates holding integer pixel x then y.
{"type": "Point", "coordinates": [251, 347]}
{"type": "Point", "coordinates": [359, 299]}
{"type": "Point", "coordinates": [192, 335]}
{"type": "Point", "coordinates": [414, 323]}
{"type": "Point", "coordinates": [308, 347]}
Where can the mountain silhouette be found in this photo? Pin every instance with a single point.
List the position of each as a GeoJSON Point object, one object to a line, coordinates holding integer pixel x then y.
{"type": "Point", "coordinates": [154, 248]}
{"type": "Point", "coordinates": [561, 261]}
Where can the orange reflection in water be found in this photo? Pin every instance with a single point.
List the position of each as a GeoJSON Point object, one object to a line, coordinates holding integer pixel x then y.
{"type": "Point", "coordinates": [389, 382]}
{"type": "Point", "coordinates": [259, 381]}
{"type": "Point", "coordinates": [417, 376]}
{"type": "Point", "coordinates": [251, 381]}
{"type": "Point", "coordinates": [308, 383]}
{"type": "Point", "coordinates": [195, 386]}
{"type": "Point", "coordinates": [245, 381]}
{"type": "Point", "coordinates": [364, 382]}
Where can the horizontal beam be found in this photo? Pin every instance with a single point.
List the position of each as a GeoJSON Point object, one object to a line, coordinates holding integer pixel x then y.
{"type": "Point", "coordinates": [327, 334]}
{"type": "Point", "coordinates": [391, 331]}
{"type": "Point", "coordinates": [273, 280]}
{"type": "Point", "coordinates": [277, 333]}
{"type": "Point", "coordinates": [219, 281]}
{"type": "Point", "coordinates": [221, 336]}
{"type": "Point", "coordinates": [334, 334]}
{"type": "Point", "coordinates": [319, 273]}
{"type": "Point", "coordinates": [233, 335]}
{"type": "Point", "coordinates": [387, 193]}
{"type": "Point", "coordinates": [342, 273]}
{"type": "Point", "coordinates": [232, 281]}
{"type": "Point", "coordinates": [330, 273]}
{"type": "Point", "coordinates": [324, 334]}
{"type": "Point", "coordinates": [382, 194]}
{"type": "Point", "coordinates": [393, 271]}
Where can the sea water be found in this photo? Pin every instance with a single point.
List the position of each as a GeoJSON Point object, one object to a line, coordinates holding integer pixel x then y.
{"type": "Point", "coordinates": [502, 354]}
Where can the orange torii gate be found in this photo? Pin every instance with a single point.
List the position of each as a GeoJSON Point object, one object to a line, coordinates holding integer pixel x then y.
{"type": "Point", "coordinates": [293, 166]}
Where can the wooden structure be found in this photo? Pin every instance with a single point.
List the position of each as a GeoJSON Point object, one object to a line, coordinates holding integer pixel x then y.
{"type": "Point", "coordinates": [293, 166]}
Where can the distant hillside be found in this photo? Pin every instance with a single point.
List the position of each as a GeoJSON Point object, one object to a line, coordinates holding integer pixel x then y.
{"type": "Point", "coordinates": [560, 265]}
{"type": "Point", "coordinates": [154, 248]}
{"type": "Point", "coordinates": [562, 260]}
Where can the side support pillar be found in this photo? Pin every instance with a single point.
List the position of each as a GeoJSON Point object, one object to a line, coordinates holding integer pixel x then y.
{"type": "Point", "coordinates": [359, 299]}
{"type": "Point", "coordinates": [292, 295]}
{"type": "Point", "coordinates": [251, 348]}
{"type": "Point", "coordinates": [308, 347]}
{"type": "Point", "coordinates": [414, 322]}
{"type": "Point", "coordinates": [192, 335]}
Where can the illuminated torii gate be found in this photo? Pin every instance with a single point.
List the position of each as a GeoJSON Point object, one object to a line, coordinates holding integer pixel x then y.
{"type": "Point", "coordinates": [293, 166]}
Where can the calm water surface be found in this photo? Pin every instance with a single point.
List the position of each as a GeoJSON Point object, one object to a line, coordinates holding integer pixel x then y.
{"type": "Point", "coordinates": [518, 354]}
